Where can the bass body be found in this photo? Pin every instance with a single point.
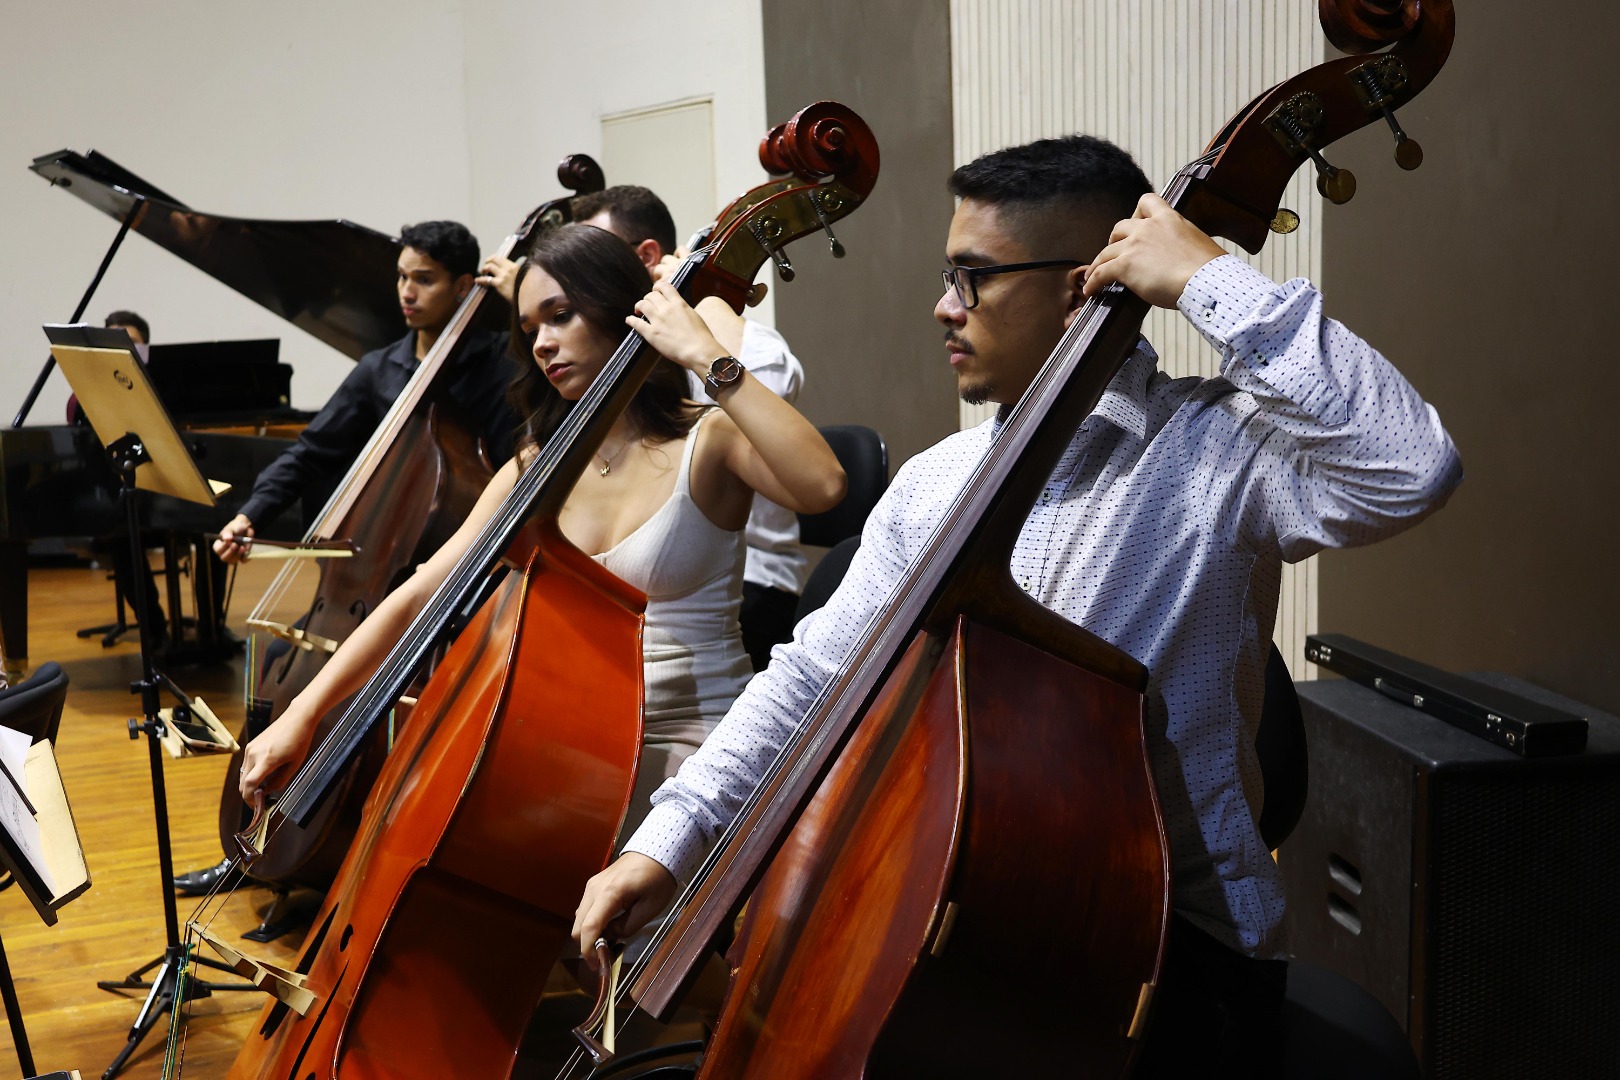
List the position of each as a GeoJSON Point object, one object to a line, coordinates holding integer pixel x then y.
{"type": "Point", "coordinates": [1019, 901]}
{"type": "Point", "coordinates": [422, 489]}
{"type": "Point", "coordinates": [524, 741]}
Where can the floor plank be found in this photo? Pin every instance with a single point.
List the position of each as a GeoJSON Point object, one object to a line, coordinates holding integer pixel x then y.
{"type": "Point", "coordinates": [118, 924]}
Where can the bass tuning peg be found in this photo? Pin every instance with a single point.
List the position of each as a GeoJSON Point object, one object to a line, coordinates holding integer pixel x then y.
{"type": "Point", "coordinates": [1380, 83]}
{"type": "Point", "coordinates": [1294, 124]}
{"type": "Point", "coordinates": [768, 231]}
{"type": "Point", "coordinates": [826, 227]}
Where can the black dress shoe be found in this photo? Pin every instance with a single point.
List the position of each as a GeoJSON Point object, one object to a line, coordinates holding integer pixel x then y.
{"type": "Point", "coordinates": [202, 882]}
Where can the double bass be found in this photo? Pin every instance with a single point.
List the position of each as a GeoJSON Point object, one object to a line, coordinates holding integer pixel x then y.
{"type": "Point", "coordinates": [510, 783]}
{"type": "Point", "coordinates": [906, 915]}
{"type": "Point", "coordinates": [409, 488]}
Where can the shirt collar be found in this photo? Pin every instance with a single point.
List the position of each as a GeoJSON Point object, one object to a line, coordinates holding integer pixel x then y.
{"type": "Point", "coordinates": [1125, 401]}
{"type": "Point", "coordinates": [403, 351]}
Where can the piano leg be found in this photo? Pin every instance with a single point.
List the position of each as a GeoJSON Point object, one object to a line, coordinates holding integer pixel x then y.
{"type": "Point", "coordinates": [173, 553]}
{"type": "Point", "coordinates": [14, 599]}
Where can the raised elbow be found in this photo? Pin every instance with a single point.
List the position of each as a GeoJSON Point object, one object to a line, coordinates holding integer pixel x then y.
{"type": "Point", "coordinates": [834, 485]}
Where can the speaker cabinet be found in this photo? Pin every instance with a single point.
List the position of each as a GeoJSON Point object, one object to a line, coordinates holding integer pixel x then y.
{"type": "Point", "coordinates": [1474, 892]}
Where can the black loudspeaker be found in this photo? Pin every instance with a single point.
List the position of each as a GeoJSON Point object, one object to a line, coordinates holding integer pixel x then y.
{"type": "Point", "coordinates": [1474, 892]}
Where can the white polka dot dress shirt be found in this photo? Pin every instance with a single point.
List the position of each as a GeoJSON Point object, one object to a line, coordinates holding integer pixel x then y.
{"type": "Point", "coordinates": [1162, 530]}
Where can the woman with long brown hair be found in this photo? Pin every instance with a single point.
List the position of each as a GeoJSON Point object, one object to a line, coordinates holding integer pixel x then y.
{"type": "Point", "coordinates": [663, 507]}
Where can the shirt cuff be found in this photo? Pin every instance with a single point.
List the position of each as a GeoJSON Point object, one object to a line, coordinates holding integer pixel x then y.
{"type": "Point", "coordinates": [670, 837]}
{"type": "Point", "coordinates": [1222, 296]}
{"type": "Point", "coordinates": [258, 510]}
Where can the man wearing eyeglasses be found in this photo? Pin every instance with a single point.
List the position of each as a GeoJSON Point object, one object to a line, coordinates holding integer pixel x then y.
{"type": "Point", "coordinates": [1163, 530]}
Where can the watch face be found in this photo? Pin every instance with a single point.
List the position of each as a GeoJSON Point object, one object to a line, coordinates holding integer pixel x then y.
{"type": "Point", "coordinates": [725, 370]}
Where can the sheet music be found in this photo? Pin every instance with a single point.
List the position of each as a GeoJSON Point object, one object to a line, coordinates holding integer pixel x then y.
{"type": "Point", "coordinates": [14, 815]}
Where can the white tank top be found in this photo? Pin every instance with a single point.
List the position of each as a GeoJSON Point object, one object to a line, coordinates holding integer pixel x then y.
{"type": "Point", "coordinates": [692, 573]}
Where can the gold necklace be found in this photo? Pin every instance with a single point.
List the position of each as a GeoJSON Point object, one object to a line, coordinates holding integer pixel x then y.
{"type": "Point", "coordinates": [609, 462]}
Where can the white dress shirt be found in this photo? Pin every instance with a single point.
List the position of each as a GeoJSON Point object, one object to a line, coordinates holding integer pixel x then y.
{"type": "Point", "coordinates": [775, 558]}
{"type": "Point", "coordinates": [1162, 530]}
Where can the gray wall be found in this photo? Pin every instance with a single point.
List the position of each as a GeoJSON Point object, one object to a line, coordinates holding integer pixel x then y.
{"type": "Point", "coordinates": [862, 325]}
{"type": "Point", "coordinates": [1487, 277]}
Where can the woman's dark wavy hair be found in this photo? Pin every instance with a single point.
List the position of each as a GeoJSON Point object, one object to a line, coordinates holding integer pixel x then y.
{"type": "Point", "coordinates": [604, 281]}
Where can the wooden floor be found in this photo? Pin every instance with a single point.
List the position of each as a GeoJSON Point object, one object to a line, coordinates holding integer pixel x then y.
{"type": "Point", "coordinates": [118, 925]}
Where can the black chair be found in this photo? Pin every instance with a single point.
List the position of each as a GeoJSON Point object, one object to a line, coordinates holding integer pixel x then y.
{"type": "Point", "coordinates": [865, 458]}
{"type": "Point", "coordinates": [34, 706]}
{"type": "Point", "coordinates": [1330, 1028]}
{"type": "Point", "coordinates": [826, 576]}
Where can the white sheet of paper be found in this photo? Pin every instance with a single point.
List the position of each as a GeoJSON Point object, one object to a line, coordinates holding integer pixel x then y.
{"type": "Point", "coordinates": [14, 815]}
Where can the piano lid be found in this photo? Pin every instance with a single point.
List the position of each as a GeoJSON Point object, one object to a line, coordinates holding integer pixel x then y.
{"type": "Point", "coordinates": [334, 279]}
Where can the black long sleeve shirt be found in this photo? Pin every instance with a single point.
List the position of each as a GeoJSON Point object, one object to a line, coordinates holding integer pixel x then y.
{"type": "Point", "coordinates": [474, 385]}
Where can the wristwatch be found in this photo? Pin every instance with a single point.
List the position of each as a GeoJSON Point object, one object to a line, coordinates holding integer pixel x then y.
{"type": "Point", "coordinates": [722, 373]}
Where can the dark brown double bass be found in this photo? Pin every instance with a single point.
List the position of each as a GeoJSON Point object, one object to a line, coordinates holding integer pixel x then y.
{"type": "Point", "coordinates": [508, 786]}
{"type": "Point", "coordinates": [407, 491]}
{"type": "Point", "coordinates": [958, 866]}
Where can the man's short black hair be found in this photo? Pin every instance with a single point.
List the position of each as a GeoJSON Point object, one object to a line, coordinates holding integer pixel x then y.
{"type": "Point", "coordinates": [129, 318]}
{"type": "Point", "coordinates": [1072, 176]}
{"type": "Point", "coordinates": [448, 243]}
{"type": "Point", "coordinates": [638, 213]}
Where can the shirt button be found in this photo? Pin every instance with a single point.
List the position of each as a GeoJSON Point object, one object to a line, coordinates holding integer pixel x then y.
{"type": "Point", "coordinates": [1026, 585]}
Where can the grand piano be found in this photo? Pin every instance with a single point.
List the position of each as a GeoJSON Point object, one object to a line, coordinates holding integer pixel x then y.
{"type": "Point", "coordinates": [331, 278]}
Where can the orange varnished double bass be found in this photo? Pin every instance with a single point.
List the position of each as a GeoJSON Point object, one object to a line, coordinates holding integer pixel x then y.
{"type": "Point", "coordinates": [407, 491]}
{"type": "Point", "coordinates": [508, 786]}
{"type": "Point", "coordinates": [958, 866]}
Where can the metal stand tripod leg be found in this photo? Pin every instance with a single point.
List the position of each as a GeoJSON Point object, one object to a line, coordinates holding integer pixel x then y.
{"type": "Point", "coordinates": [161, 991]}
{"type": "Point", "coordinates": [19, 1034]}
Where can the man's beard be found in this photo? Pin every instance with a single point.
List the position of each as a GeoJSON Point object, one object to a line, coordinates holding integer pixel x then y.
{"type": "Point", "coordinates": [976, 393]}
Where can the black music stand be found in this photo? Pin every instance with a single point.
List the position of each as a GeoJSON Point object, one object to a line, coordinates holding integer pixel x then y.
{"type": "Point", "coordinates": [147, 453]}
{"type": "Point", "coordinates": [43, 855]}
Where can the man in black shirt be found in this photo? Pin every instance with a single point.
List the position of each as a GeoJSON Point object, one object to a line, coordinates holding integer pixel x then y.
{"type": "Point", "coordinates": [436, 268]}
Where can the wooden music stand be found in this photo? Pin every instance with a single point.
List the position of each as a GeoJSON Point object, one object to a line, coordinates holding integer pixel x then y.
{"type": "Point", "coordinates": [39, 844]}
{"type": "Point", "coordinates": [147, 454]}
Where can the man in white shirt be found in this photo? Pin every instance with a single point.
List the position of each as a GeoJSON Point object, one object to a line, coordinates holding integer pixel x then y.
{"type": "Point", "coordinates": [776, 568]}
{"type": "Point", "coordinates": [1162, 530]}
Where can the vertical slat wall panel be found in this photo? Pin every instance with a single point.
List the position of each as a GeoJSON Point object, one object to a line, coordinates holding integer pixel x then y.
{"type": "Point", "coordinates": [1158, 77]}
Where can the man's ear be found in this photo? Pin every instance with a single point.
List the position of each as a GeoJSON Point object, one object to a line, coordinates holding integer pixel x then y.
{"type": "Point", "coordinates": [464, 284]}
{"type": "Point", "coordinates": [650, 252]}
{"type": "Point", "coordinates": [1073, 282]}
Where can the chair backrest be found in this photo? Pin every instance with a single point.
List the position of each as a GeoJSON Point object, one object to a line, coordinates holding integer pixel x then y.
{"type": "Point", "coordinates": [865, 458]}
{"type": "Point", "coordinates": [1280, 746]}
{"type": "Point", "coordinates": [35, 704]}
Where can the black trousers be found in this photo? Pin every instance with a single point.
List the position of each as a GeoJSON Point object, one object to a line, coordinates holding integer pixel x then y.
{"type": "Point", "coordinates": [767, 620]}
{"type": "Point", "coordinates": [1215, 1012]}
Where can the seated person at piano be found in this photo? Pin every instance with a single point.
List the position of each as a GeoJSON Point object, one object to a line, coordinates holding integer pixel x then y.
{"type": "Point", "coordinates": [777, 567]}
{"type": "Point", "coordinates": [435, 273]}
{"type": "Point", "coordinates": [130, 580]}
{"type": "Point", "coordinates": [139, 334]}
{"type": "Point", "coordinates": [663, 505]}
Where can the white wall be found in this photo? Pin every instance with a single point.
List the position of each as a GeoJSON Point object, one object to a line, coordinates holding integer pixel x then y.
{"type": "Point", "coordinates": [546, 74]}
{"type": "Point", "coordinates": [298, 109]}
{"type": "Point", "coordinates": [379, 111]}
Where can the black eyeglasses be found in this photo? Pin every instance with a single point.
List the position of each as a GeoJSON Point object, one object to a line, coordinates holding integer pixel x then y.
{"type": "Point", "coordinates": [964, 279]}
